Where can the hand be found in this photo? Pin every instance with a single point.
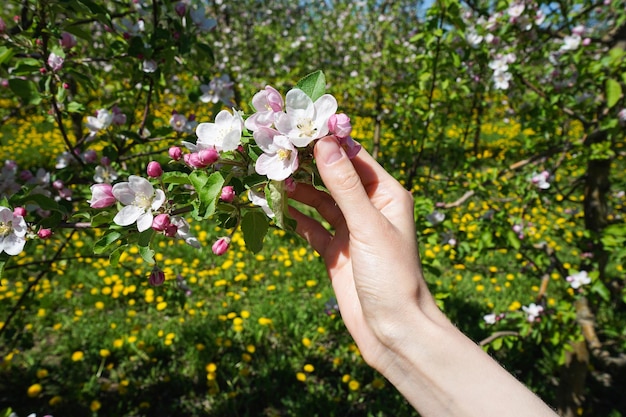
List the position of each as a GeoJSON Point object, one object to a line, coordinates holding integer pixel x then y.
{"type": "Point", "coordinates": [371, 256]}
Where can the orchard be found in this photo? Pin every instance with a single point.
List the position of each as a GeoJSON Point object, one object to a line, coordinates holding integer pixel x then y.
{"type": "Point", "coordinates": [148, 262]}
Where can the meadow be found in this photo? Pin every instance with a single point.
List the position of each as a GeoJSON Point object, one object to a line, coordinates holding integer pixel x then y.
{"type": "Point", "coordinates": [258, 334]}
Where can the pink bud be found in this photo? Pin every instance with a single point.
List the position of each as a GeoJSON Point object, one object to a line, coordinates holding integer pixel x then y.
{"type": "Point", "coordinates": [55, 62]}
{"type": "Point", "coordinates": [208, 156]}
{"type": "Point", "coordinates": [67, 40]}
{"type": "Point", "coordinates": [101, 196]}
{"type": "Point", "coordinates": [221, 246]}
{"type": "Point", "coordinates": [180, 8]}
{"type": "Point", "coordinates": [157, 277]}
{"type": "Point", "coordinates": [19, 211]}
{"type": "Point", "coordinates": [228, 194]}
{"type": "Point", "coordinates": [290, 185]}
{"type": "Point", "coordinates": [339, 125]}
{"type": "Point", "coordinates": [154, 169]}
{"type": "Point", "coordinates": [44, 233]}
{"type": "Point", "coordinates": [171, 230]}
{"type": "Point", "coordinates": [161, 222]}
{"type": "Point", "coordinates": [58, 184]}
{"type": "Point", "coordinates": [586, 42]}
{"type": "Point", "coordinates": [351, 147]}
{"type": "Point", "coordinates": [66, 86]}
{"type": "Point", "coordinates": [26, 175]}
{"type": "Point", "coordinates": [105, 161]}
{"type": "Point", "coordinates": [175, 153]}
{"type": "Point", "coordinates": [90, 156]}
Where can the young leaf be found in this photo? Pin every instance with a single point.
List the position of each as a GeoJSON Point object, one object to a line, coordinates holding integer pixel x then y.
{"type": "Point", "coordinates": [209, 188]}
{"type": "Point", "coordinates": [105, 242]}
{"type": "Point", "coordinates": [314, 85]}
{"type": "Point", "coordinates": [613, 92]}
{"type": "Point", "coordinates": [254, 226]}
{"type": "Point", "coordinates": [276, 199]}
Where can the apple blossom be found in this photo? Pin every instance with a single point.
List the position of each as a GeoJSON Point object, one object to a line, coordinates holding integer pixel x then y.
{"type": "Point", "coordinates": [305, 120]}
{"type": "Point", "coordinates": [44, 233]}
{"type": "Point", "coordinates": [268, 103]}
{"type": "Point", "coordinates": [183, 231]}
{"type": "Point", "coordinates": [541, 180]}
{"type": "Point", "coordinates": [139, 199]}
{"type": "Point", "coordinates": [350, 146]}
{"type": "Point", "coordinates": [199, 19]}
{"type": "Point", "coordinates": [104, 174]}
{"type": "Point", "coordinates": [571, 43]}
{"type": "Point", "coordinates": [12, 232]}
{"type": "Point", "coordinates": [55, 62]}
{"type": "Point", "coordinates": [103, 119]}
{"type": "Point", "coordinates": [533, 311]}
{"type": "Point", "coordinates": [102, 196]}
{"type": "Point", "coordinates": [67, 41]}
{"type": "Point", "coordinates": [19, 211]}
{"type": "Point", "coordinates": [223, 135]}
{"type": "Point", "coordinates": [175, 153]}
{"type": "Point", "coordinates": [579, 279]}
{"type": "Point", "coordinates": [280, 157]}
{"type": "Point", "coordinates": [218, 89]}
{"type": "Point", "coordinates": [119, 118]}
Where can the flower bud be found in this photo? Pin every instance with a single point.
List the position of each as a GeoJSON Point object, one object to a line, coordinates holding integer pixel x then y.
{"type": "Point", "coordinates": [180, 8]}
{"type": "Point", "coordinates": [58, 184]}
{"type": "Point", "coordinates": [154, 169]}
{"type": "Point", "coordinates": [101, 196]}
{"type": "Point", "coordinates": [44, 233]}
{"type": "Point", "coordinates": [157, 277]}
{"type": "Point", "coordinates": [339, 125]}
{"type": "Point", "coordinates": [19, 211]}
{"type": "Point", "coordinates": [290, 185]}
{"type": "Point", "coordinates": [55, 62]}
{"type": "Point", "coordinates": [228, 194]}
{"type": "Point", "coordinates": [171, 230]}
{"type": "Point", "coordinates": [90, 156]}
{"type": "Point", "coordinates": [67, 40]}
{"type": "Point", "coordinates": [221, 246]}
{"type": "Point", "coordinates": [161, 222]}
{"type": "Point", "coordinates": [175, 153]}
{"type": "Point", "coordinates": [208, 156]}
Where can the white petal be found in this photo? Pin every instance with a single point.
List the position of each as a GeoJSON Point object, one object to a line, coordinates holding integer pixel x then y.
{"type": "Point", "coordinates": [128, 215]}
{"type": "Point", "coordinates": [158, 200]}
{"type": "Point", "coordinates": [140, 185]}
{"type": "Point", "coordinates": [144, 222]}
{"type": "Point", "coordinates": [264, 137]}
{"type": "Point", "coordinates": [13, 244]}
{"type": "Point", "coordinates": [122, 192]}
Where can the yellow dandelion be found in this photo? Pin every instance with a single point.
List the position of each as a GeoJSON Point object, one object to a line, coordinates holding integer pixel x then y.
{"type": "Point", "coordinates": [301, 376]}
{"type": "Point", "coordinates": [354, 385]}
{"type": "Point", "coordinates": [95, 405]}
{"type": "Point", "coordinates": [42, 373]}
{"type": "Point", "coordinates": [78, 356]}
{"type": "Point", "coordinates": [306, 341]}
{"type": "Point", "coordinates": [34, 390]}
{"type": "Point", "coordinates": [308, 368]}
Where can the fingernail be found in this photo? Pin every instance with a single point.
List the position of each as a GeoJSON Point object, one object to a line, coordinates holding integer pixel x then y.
{"type": "Point", "coordinates": [329, 151]}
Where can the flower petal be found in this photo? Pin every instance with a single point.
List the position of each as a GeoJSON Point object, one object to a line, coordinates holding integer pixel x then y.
{"type": "Point", "coordinates": [128, 215]}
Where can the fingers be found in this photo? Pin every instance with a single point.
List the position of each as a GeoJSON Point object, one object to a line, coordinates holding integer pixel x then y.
{"type": "Point", "coordinates": [345, 183]}
{"type": "Point", "coordinates": [320, 201]}
{"type": "Point", "coordinates": [312, 231]}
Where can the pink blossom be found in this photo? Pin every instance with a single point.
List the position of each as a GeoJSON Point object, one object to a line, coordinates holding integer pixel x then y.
{"type": "Point", "coordinates": [67, 40]}
{"type": "Point", "coordinates": [228, 194]}
{"type": "Point", "coordinates": [268, 104]}
{"type": "Point", "coordinates": [280, 157]}
{"type": "Point", "coordinates": [221, 246]}
{"type": "Point", "coordinates": [55, 61]}
{"type": "Point", "coordinates": [140, 199]}
{"type": "Point", "coordinates": [44, 233]}
{"type": "Point", "coordinates": [12, 232]}
{"type": "Point", "coordinates": [533, 311]}
{"type": "Point", "coordinates": [101, 196]}
{"type": "Point", "coordinates": [579, 279]}
{"type": "Point", "coordinates": [119, 118]}
{"type": "Point", "coordinates": [351, 147]}
{"type": "Point", "coordinates": [154, 169]}
{"type": "Point", "coordinates": [339, 125]}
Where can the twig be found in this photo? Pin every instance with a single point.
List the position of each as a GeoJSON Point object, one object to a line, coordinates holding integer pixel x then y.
{"type": "Point", "coordinates": [498, 335]}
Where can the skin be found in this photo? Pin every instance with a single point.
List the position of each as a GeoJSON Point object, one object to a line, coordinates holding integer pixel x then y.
{"type": "Point", "coordinates": [372, 259]}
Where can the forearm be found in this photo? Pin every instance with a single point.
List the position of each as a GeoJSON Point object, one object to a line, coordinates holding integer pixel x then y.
{"type": "Point", "coordinates": [441, 372]}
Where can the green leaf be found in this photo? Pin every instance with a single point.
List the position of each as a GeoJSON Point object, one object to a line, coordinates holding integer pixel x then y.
{"type": "Point", "coordinates": [3, 262]}
{"type": "Point", "coordinates": [254, 226]}
{"type": "Point", "coordinates": [314, 85]}
{"type": "Point", "coordinates": [613, 92]}
{"type": "Point", "coordinates": [114, 257]}
{"type": "Point", "coordinates": [208, 188]}
{"type": "Point", "coordinates": [25, 89]}
{"type": "Point", "coordinates": [105, 242]}
{"type": "Point", "coordinates": [5, 54]}
{"type": "Point", "coordinates": [144, 238]}
{"type": "Point", "coordinates": [175, 177]}
{"type": "Point", "coordinates": [513, 239]}
{"type": "Point", "coordinates": [601, 289]}
{"type": "Point", "coordinates": [147, 254]}
{"type": "Point", "coordinates": [75, 107]}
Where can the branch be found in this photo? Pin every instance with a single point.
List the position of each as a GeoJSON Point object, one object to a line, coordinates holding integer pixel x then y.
{"type": "Point", "coordinates": [497, 335]}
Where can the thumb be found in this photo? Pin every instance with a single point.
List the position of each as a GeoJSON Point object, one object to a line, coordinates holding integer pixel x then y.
{"type": "Point", "coordinates": [343, 182]}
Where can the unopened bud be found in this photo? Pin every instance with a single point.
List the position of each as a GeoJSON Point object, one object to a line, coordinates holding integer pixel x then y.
{"type": "Point", "coordinates": [157, 277]}
{"type": "Point", "coordinates": [154, 169]}
{"type": "Point", "coordinates": [44, 233]}
{"type": "Point", "coordinates": [19, 211]}
{"type": "Point", "coordinates": [175, 153]}
{"type": "Point", "coordinates": [228, 194]}
{"type": "Point", "coordinates": [161, 222]}
{"type": "Point", "coordinates": [221, 246]}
